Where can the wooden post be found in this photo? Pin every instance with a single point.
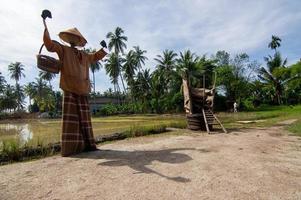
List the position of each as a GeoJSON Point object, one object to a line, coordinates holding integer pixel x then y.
{"type": "Point", "coordinates": [187, 98]}
{"type": "Point", "coordinates": [205, 120]}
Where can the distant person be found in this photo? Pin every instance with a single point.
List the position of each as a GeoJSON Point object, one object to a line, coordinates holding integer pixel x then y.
{"type": "Point", "coordinates": [77, 133]}
{"type": "Point", "coordinates": [235, 106]}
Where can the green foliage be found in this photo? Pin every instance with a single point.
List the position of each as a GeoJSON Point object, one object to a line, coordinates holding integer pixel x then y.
{"type": "Point", "coordinates": [115, 109]}
{"type": "Point", "coordinates": [10, 150]}
{"type": "Point", "coordinates": [247, 105]}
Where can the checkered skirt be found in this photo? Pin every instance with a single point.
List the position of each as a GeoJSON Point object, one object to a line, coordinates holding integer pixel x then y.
{"type": "Point", "coordinates": [77, 133]}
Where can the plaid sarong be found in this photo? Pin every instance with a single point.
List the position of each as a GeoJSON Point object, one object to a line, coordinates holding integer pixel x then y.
{"type": "Point", "coordinates": [77, 133]}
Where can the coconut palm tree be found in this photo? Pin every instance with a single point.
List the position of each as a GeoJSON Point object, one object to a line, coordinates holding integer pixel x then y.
{"type": "Point", "coordinates": [143, 88]}
{"type": "Point", "coordinates": [166, 64]}
{"type": "Point", "coordinates": [19, 96]}
{"type": "Point", "coordinates": [2, 83]}
{"type": "Point", "coordinates": [8, 99]}
{"type": "Point", "coordinates": [47, 76]}
{"type": "Point", "coordinates": [16, 71]}
{"type": "Point", "coordinates": [274, 74]}
{"type": "Point", "coordinates": [130, 66]}
{"type": "Point", "coordinates": [275, 43]}
{"type": "Point", "coordinates": [29, 90]}
{"type": "Point", "coordinates": [112, 67]}
{"type": "Point", "coordinates": [39, 89]}
{"type": "Point", "coordinates": [94, 67]}
{"type": "Point", "coordinates": [117, 42]}
{"type": "Point", "coordinates": [43, 95]}
{"type": "Point", "coordinates": [139, 57]}
{"type": "Point", "coordinates": [187, 65]}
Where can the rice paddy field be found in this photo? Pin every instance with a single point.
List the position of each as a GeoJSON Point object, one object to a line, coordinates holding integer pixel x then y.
{"type": "Point", "coordinates": [44, 131]}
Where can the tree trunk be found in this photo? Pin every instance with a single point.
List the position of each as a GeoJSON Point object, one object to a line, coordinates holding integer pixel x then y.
{"type": "Point", "coordinates": [122, 82]}
{"type": "Point", "coordinates": [94, 100]}
{"type": "Point", "coordinates": [93, 82]}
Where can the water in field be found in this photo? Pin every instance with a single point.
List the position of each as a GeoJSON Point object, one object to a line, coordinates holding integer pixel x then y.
{"type": "Point", "coordinates": [33, 132]}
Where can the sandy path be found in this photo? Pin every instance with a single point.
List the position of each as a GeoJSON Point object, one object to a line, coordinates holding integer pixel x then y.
{"type": "Point", "coordinates": [249, 164]}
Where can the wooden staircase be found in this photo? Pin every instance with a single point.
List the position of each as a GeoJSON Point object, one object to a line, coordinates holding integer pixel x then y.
{"type": "Point", "coordinates": [211, 120]}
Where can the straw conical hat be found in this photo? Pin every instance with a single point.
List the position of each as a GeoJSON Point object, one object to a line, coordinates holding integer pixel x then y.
{"type": "Point", "coordinates": [67, 37]}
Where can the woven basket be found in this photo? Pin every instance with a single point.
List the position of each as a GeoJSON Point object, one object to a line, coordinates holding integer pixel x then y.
{"type": "Point", "coordinates": [47, 63]}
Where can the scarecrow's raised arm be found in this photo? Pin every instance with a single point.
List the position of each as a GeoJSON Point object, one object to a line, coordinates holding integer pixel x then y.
{"type": "Point", "coordinates": [50, 45]}
{"type": "Point", "coordinates": [100, 54]}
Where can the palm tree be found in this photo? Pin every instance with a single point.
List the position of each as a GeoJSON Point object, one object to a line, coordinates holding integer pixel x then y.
{"type": "Point", "coordinates": [8, 99]}
{"type": "Point", "coordinates": [187, 61]}
{"type": "Point", "coordinates": [166, 66]}
{"type": "Point", "coordinates": [129, 67]}
{"type": "Point", "coordinates": [40, 89]}
{"type": "Point", "coordinates": [139, 57]}
{"type": "Point", "coordinates": [274, 75]}
{"type": "Point", "coordinates": [113, 66]}
{"type": "Point", "coordinates": [43, 95]}
{"type": "Point", "coordinates": [187, 66]}
{"type": "Point", "coordinates": [143, 88]}
{"type": "Point", "coordinates": [19, 96]}
{"type": "Point", "coordinates": [117, 42]}
{"type": "Point", "coordinates": [2, 83]}
{"type": "Point", "coordinates": [47, 76]}
{"type": "Point", "coordinates": [30, 91]}
{"type": "Point", "coordinates": [275, 43]}
{"type": "Point", "coordinates": [16, 71]}
{"type": "Point", "coordinates": [94, 67]}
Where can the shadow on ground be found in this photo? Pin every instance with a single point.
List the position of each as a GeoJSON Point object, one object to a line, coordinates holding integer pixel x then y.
{"type": "Point", "coordinates": [139, 160]}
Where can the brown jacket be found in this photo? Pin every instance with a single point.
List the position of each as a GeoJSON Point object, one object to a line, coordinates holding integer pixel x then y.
{"type": "Point", "coordinates": [75, 69]}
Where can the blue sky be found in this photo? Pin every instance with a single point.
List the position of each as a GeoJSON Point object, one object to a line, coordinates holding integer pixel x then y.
{"type": "Point", "coordinates": [201, 26]}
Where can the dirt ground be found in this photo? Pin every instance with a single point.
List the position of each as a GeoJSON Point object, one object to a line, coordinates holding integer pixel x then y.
{"type": "Point", "coordinates": [262, 163]}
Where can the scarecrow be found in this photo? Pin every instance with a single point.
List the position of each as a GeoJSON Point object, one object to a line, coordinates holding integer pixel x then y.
{"type": "Point", "coordinates": [77, 133]}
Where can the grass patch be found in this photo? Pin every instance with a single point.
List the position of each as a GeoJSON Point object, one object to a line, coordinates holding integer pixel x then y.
{"type": "Point", "coordinates": [12, 151]}
{"type": "Point", "coordinates": [270, 115]}
{"type": "Point", "coordinates": [295, 128]}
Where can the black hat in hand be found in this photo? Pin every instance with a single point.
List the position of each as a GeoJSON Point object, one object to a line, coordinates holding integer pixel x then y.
{"type": "Point", "coordinates": [103, 44]}
{"type": "Point", "coordinates": [45, 14]}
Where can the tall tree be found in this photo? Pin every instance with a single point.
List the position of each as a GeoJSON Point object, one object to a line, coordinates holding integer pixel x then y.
{"type": "Point", "coordinates": [2, 83]}
{"type": "Point", "coordinates": [166, 64]}
{"type": "Point", "coordinates": [94, 67]}
{"type": "Point", "coordinates": [130, 67]}
{"type": "Point", "coordinates": [117, 42]}
{"type": "Point", "coordinates": [47, 76]}
{"type": "Point", "coordinates": [274, 74]}
{"type": "Point", "coordinates": [8, 99]}
{"type": "Point", "coordinates": [233, 76]}
{"type": "Point", "coordinates": [186, 65]}
{"type": "Point", "coordinates": [30, 91]}
{"type": "Point", "coordinates": [43, 95]}
{"type": "Point", "coordinates": [16, 71]}
{"type": "Point", "coordinates": [19, 96]}
{"type": "Point", "coordinates": [275, 43]}
{"type": "Point", "coordinates": [142, 88]}
{"type": "Point", "coordinates": [112, 67]}
{"type": "Point", "coordinates": [139, 57]}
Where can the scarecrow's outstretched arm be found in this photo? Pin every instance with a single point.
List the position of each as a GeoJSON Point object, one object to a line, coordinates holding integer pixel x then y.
{"type": "Point", "coordinates": [50, 45]}
{"type": "Point", "coordinates": [98, 55]}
